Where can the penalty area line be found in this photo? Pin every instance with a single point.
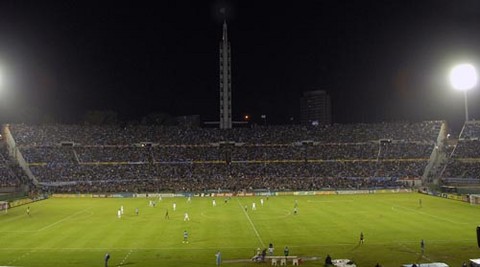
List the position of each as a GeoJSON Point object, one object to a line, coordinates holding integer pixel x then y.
{"type": "Point", "coordinates": [125, 258]}
{"type": "Point", "coordinates": [427, 214]}
{"type": "Point", "coordinates": [62, 220]}
{"type": "Point", "coordinates": [26, 254]}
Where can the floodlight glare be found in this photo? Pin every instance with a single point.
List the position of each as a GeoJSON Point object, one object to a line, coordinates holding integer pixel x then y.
{"type": "Point", "coordinates": [463, 77]}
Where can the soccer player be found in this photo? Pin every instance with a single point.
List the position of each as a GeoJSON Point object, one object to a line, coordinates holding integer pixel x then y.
{"type": "Point", "coordinates": [174, 206]}
{"type": "Point", "coordinates": [28, 211]}
{"type": "Point", "coordinates": [185, 237]}
{"type": "Point", "coordinates": [136, 211]}
{"type": "Point", "coordinates": [214, 203]}
{"type": "Point", "coordinates": [285, 251]}
{"type": "Point", "coordinates": [361, 238]}
{"type": "Point", "coordinates": [246, 208]}
{"type": "Point", "coordinates": [422, 246]}
{"type": "Point", "coordinates": [218, 258]}
{"type": "Point", "coordinates": [166, 215]}
{"type": "Point", "coordinates": [261, 202]}
{"type": "Point", "coordinates": [295, 211]}
{"type": "Point", "coordinates": [420, 202]}
{"type": "Point", "coordinates": [257, 256]}
{"type": "Point", "coordinates": [119, 213]}
{"type": "Point", "coordinates": [254, 206]}
{"type": "Point", "coordinates": [107, 257]}
{"type": "Point", "coordinates": [185, 217]}
{"type": "Point", "coordinates": [328, 260]}
{"type": "Point", "coordinates": [296, 204]}
{"type": "Point", "coordinates": [121, 209]}
{"type": "Point", "coordinates": [270, 249]}
{"type": "Point", "coordinates": [189, 200]}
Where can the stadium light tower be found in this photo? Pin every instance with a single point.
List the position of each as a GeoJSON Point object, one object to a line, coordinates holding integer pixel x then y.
{"type": "Point", "coordinates": [464, 77]}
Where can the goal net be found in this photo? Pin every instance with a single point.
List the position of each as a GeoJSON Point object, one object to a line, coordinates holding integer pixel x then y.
{"type": "Point", "coordinates": [475, 199]}
{"type": "Point", "coordinates": [4, 205]}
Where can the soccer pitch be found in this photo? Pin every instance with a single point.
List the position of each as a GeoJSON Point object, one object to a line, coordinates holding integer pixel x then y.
{"type": "Point", "coordinates": [80, 231]}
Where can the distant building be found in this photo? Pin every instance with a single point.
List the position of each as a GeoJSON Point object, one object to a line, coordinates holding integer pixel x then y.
{"type": "Point", "coordinates": [315, 108]}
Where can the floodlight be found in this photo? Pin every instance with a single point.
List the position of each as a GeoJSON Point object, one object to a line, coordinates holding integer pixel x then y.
{"type": "Point", "coordinates": [463, 77]}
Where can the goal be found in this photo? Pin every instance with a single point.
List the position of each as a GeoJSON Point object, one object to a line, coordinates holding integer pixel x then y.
{"type": "Point", "coordinates": [475, 199]}
{"type": "Point", "coordinates": [4, 206]}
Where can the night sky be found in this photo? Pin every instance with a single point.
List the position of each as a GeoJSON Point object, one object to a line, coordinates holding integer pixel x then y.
{"type": "Point", "coordinates": [379, 60]}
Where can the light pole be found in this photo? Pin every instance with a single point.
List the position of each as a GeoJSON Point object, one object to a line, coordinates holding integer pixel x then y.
{"type": "Point", "coordinates": [464, 77]}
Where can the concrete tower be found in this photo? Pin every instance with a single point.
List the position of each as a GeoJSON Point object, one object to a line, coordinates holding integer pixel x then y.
{"type": "Point", "coordinates": [225, 81]}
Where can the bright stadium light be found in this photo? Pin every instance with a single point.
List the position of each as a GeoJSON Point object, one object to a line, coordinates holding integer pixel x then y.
{"type": "Point", "coordinates": [464, 77]}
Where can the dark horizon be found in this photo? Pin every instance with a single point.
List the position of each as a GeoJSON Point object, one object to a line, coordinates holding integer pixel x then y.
{"type": "Point", "coordinates": [379, 61]}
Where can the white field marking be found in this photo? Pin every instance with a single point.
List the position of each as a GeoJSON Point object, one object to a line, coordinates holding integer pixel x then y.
{"type": "Point", "coordinates": [126, 257]}
{"type": "Point", "coordinates": [328, 201]}
{"type": "Point", "coordinates": [251, 223]}
{"type": "Point", "coordinates": [20, 257]}
{"type": "Point", "coordinates": [429, 215]}
{"type": "Point", "coordinates": [48, 226]}
{"type": "Point", "coordinates": [413, 251]}
{"type": "Point", "coordinates": [62, 220]}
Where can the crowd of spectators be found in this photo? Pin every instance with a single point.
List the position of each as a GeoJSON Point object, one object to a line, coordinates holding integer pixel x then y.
{"type": "Point", "coordinates": [471, 130]}
{"type": "Point", "coordinates": [464, 162]}
{"type": "Point", "coordinates": [51, 135]}
{"type": "Point", "coordinates": [145, 159]}
{"type": "Point", "coordinates": [12, 176]}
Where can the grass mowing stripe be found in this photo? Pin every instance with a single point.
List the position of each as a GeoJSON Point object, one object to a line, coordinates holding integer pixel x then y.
{"type": "Point", "coordinates": [136, 248]}
{"type": "Point", "coordinates": [403, 242]}
{"type": "Point", "coordinates": [251, 223]}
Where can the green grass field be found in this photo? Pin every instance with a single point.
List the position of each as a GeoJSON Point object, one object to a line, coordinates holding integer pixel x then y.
{"type": "Point", "coordinates": [78, 232]}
